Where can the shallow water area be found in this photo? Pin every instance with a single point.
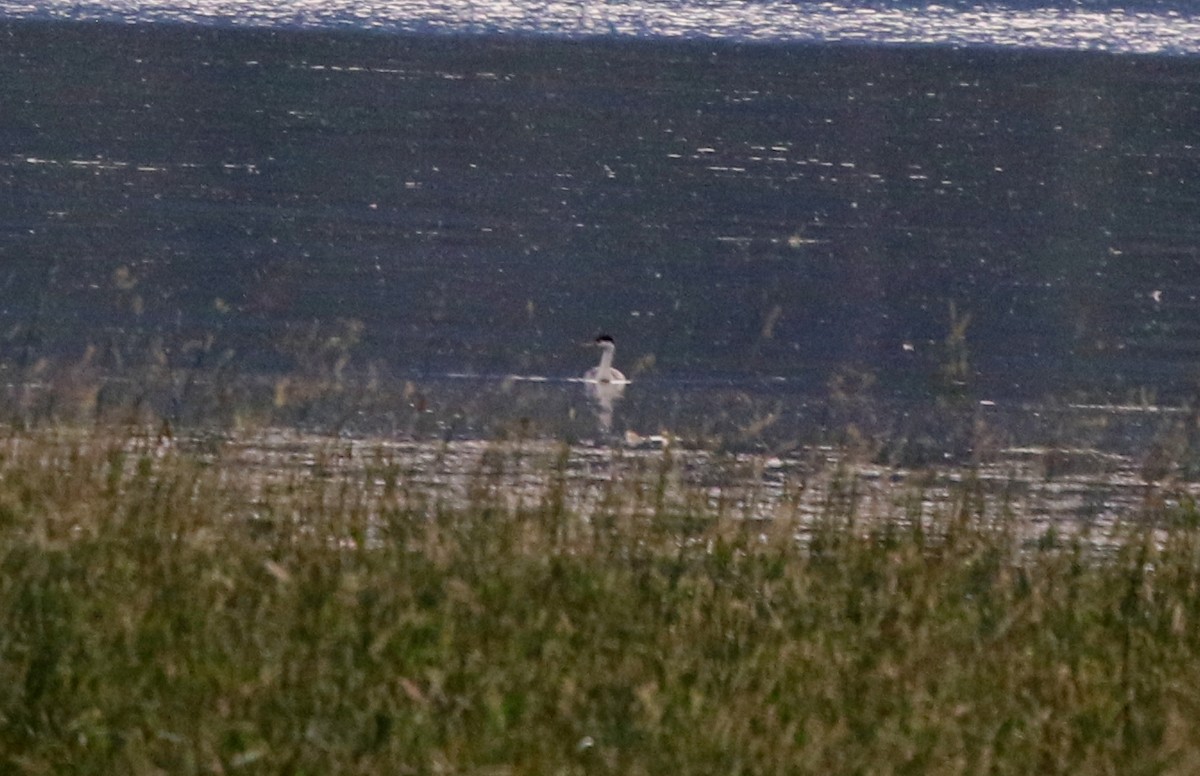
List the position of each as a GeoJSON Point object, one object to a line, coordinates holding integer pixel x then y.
{"type": "Point", "coordinates": [1046, 492]}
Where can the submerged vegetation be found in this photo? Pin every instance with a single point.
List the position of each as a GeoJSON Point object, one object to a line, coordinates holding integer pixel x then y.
{"type": "Point", "coordinates": [170, 607]}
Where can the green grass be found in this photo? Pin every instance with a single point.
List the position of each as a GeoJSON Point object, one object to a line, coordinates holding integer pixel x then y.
{"type": "Point", "coordinates": [183, 613]}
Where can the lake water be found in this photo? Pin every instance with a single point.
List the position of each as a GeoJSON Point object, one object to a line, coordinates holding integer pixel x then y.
{"type": "Point", "coordinates": [911, 221]}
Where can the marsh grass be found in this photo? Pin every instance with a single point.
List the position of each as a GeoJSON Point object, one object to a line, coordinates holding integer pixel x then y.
{"type": "Point", "coordinates": [171, 610]}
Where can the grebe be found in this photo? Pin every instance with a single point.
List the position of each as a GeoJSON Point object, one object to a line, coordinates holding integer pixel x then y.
{"type": "Point", "coordinates": [604, 372]}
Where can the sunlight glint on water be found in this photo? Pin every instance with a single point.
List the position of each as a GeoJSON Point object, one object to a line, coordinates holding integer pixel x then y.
{"type": "Point", "coordinates": [1102, 490]}
{"type": "Point", "coordinates": [1117, 30]}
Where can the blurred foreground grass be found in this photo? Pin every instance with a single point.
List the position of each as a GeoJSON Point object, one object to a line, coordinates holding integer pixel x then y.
{"type": "Point", "coordinates": [166, 610]}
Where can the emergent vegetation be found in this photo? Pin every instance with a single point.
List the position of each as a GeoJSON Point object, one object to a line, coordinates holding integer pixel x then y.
{"type": "Point", "coordinates": [170, 610]}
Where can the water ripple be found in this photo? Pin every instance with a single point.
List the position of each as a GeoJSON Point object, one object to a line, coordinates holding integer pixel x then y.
{"type": "Point", "coordinates": [1112, 30]}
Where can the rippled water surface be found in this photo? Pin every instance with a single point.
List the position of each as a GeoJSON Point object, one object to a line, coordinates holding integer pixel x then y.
{"type": "Point", "coordinates": [1145, 27]}
{"type": "Point", "coordinates": [1073, 490]}
{"type": "Point", "coordinates": [985, 241]}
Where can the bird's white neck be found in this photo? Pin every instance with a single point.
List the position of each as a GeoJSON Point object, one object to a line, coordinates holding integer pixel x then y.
{"type": "Point", "coordinates": [604, 371]}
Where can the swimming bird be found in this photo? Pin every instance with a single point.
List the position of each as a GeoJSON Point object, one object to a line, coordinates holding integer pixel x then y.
{"type": "Point", "coordinates": [604, 372]}
{"type": "Point", "coordinates": [604, 384]}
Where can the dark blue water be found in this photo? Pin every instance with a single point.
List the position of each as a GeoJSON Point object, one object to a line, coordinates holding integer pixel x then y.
{"type": "Point", "coordinates": [775, 224]}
